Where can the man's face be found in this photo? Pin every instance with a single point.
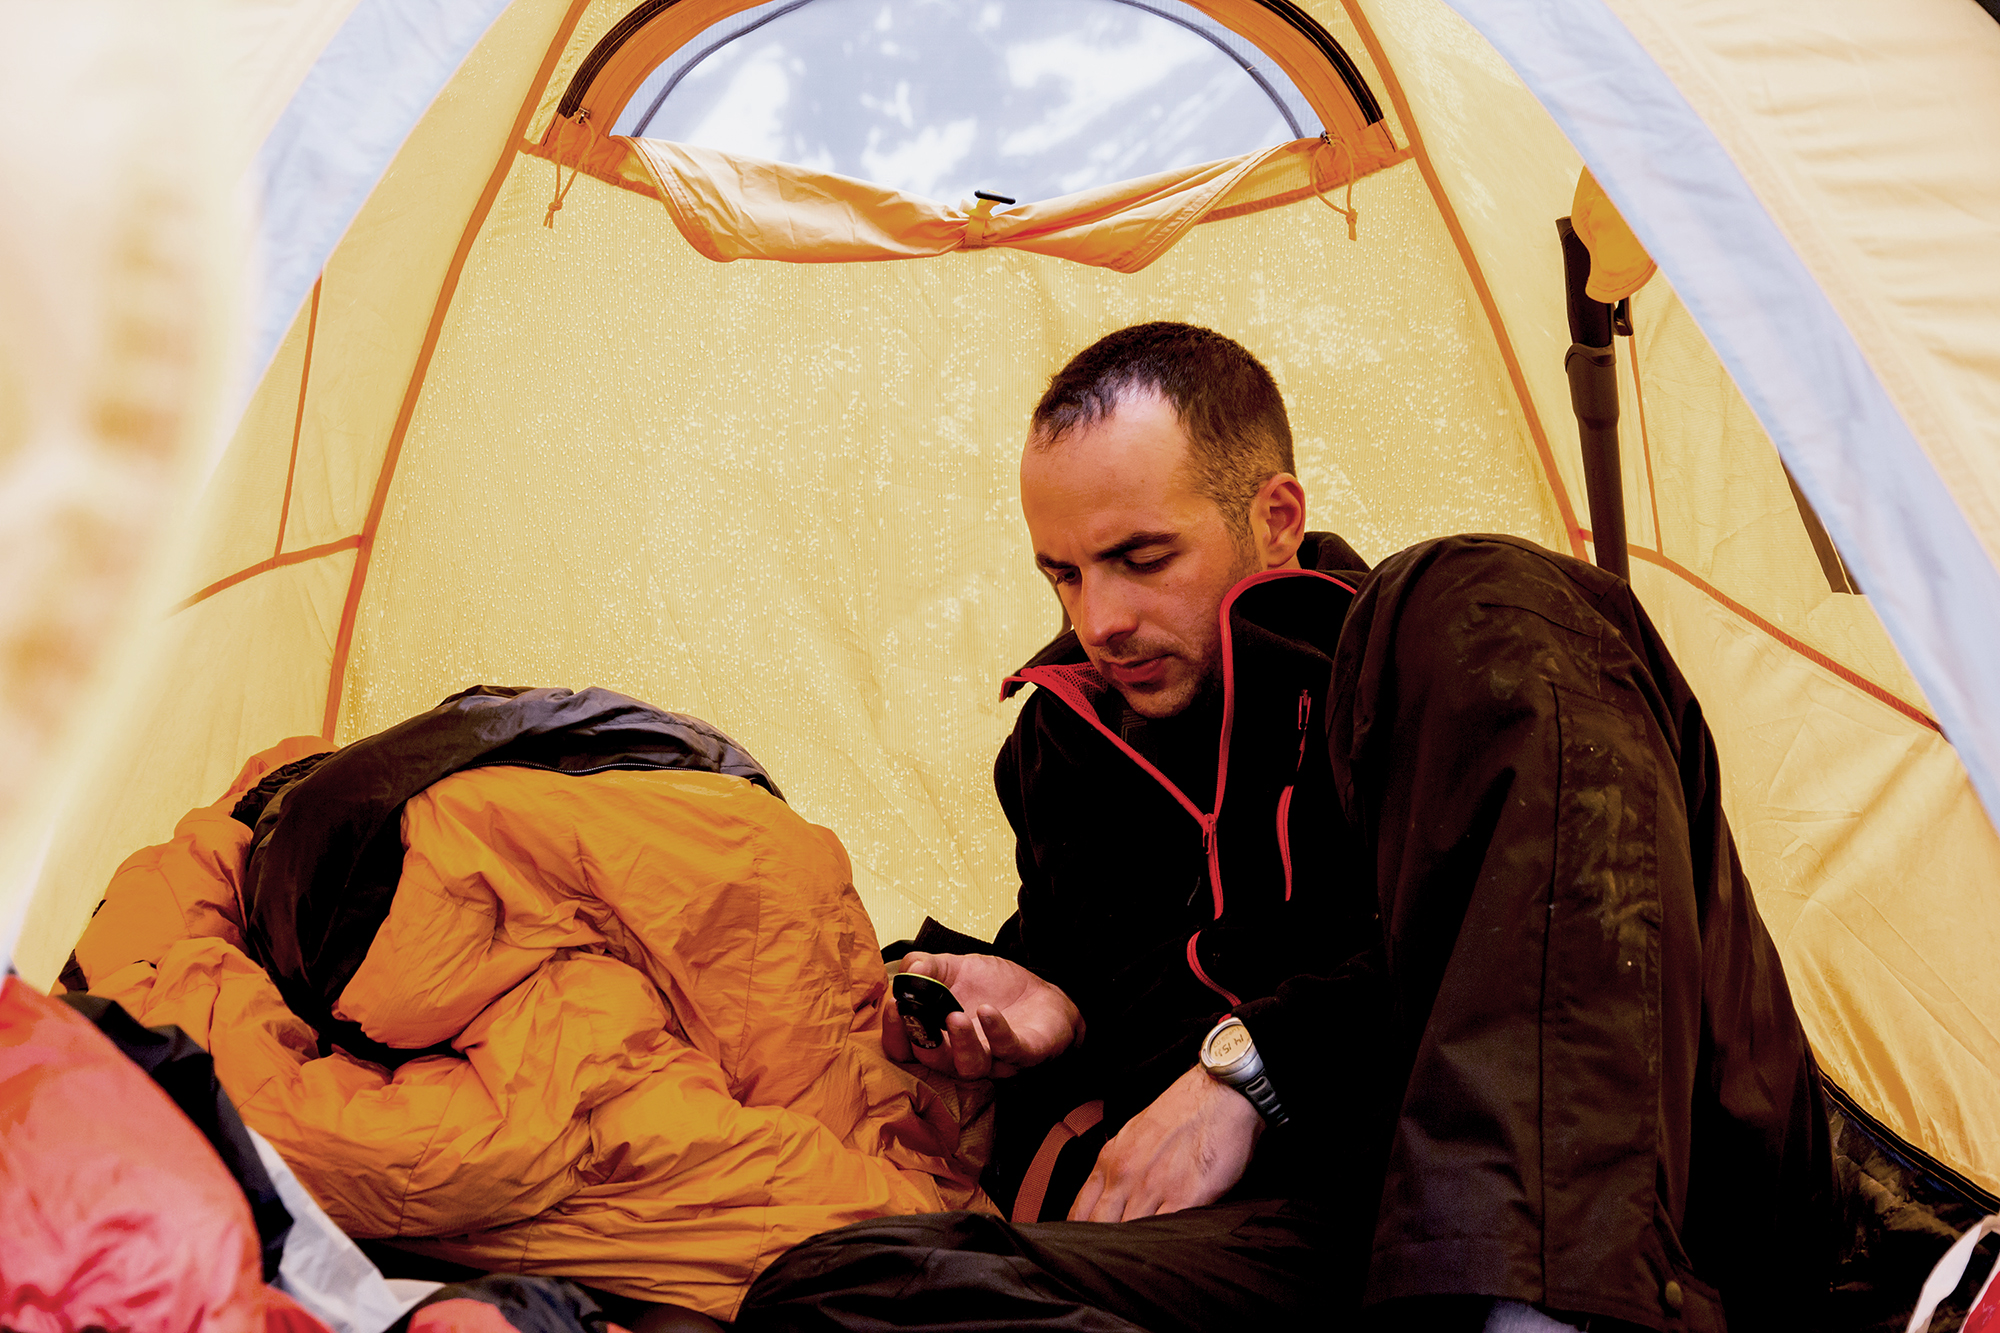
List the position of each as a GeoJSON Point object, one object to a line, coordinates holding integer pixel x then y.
{"type": "Point", "coordinates": [1139, 558]}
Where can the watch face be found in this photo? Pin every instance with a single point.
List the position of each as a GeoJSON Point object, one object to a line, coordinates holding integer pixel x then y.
{"type": "Point", "coordinates": [1227, 1046]}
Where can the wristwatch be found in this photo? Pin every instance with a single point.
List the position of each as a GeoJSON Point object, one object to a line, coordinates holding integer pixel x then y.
{"type": "Point", "coordinates": [1230, 1058]}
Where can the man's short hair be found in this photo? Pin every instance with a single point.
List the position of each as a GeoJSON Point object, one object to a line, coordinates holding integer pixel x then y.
{"type": "Point", "coordinates": [1238, 435]}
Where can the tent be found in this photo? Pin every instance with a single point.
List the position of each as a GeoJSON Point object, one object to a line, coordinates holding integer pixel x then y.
{"type": "Point", "coordinates": [538, 404]}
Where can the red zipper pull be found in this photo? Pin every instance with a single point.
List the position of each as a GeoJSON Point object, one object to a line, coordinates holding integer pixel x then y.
{"type": "Point", "coordinates": [1305, 707]}
{"type": "Point", "coordinates": [1214, 860]}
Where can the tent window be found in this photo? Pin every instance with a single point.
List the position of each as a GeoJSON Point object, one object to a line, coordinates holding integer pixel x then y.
{"type": "Point", "coordinates": [1026, 98]}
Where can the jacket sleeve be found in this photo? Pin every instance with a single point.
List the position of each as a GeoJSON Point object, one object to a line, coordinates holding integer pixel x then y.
{"type": "Point", "coordinates": [1323, 1040]}
{"type": "Point", "coordinates": [1041, 934]}
{"type": "Point", "coordinates": [1009, 941]}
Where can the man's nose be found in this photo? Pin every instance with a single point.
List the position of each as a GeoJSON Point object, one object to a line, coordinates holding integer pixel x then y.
{"type": "Point", "coordinates": [1102, 612]}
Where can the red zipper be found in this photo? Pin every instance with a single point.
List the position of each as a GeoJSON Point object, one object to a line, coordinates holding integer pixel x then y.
{"type": "Point", "coordinates": [1285, 798]}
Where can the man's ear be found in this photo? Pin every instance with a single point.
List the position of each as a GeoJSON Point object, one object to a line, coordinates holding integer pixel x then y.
{"type": "Point", "coordinates": [1278, 521]}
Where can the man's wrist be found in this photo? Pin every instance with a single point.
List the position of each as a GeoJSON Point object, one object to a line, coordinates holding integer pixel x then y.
{"type": "Point", "coordinates": [1237, 1097]}
{"type": "Point", "coordinates": [1240, 1107]}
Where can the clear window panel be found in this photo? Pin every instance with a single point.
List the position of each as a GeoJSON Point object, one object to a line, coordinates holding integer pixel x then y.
{"type": "Point", "coordinates": [1029, 99]}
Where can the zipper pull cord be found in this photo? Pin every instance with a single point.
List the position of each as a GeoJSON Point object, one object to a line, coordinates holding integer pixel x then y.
{"type": "Point", "coordinates": [588, 136]}
{"type": "Point", "coordinates": [1208, 839]}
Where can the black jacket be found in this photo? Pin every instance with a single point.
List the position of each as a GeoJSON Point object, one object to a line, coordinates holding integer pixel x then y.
{"type": "Point", "coordinates": [1158, 909]}
{"type": "Point", "coordinates": [1470, 885]}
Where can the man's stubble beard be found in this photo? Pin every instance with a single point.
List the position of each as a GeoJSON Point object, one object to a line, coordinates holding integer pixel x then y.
{"type": "Point", "coordinates": [1208, 686]}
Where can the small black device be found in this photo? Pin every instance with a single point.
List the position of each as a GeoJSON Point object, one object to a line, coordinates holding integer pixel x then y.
{"type": "Point", "coordinates": [923, 1002]}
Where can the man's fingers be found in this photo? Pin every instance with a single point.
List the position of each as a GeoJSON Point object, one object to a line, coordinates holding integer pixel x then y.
{"type": "Point", "coordinates": [970, 1055]}
{"type": "Point", "coordinates": [1104, 1195]}
{"type": "Point", "coordinates": [895, 1041]}
{"type": "Point", "coordinates": [1110, 1205]}
{"type": "Point", "coordinates": [1016, 1047]}
{"type": "Point", "coordinates": [1000, 1038]}
{"type": "Point", "coordinates": [1145, 1201]}
{"type": "Point", "coordinates": [945, 967]}
{"type": "Point", "coordinates": [1086, 1198]}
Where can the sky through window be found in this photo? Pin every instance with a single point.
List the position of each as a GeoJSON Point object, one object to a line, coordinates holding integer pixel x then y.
{"type": "Point", "coordinates": [1026, 98]}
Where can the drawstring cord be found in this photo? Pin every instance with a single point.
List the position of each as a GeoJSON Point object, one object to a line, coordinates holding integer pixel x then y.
{"type": "Point", "coordinates": [1348, 212]}
{"type": "Point", "coordinates": [583, 154]}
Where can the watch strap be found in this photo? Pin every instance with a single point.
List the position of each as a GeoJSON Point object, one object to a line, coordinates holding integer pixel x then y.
{"type": "Point", "coordinates": [1265, 1098]}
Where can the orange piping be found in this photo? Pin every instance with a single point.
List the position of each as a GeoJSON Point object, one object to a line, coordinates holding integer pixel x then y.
{"type": "Point", "coordinates": [264, 567]}
{"type": "Point", "coordinates": [1803, 649]}
{"type": "Point", "coordinates": [343, 644]}
{"type": "Point", "coordinates": [1564, 509]}
{"type": "Point", "coordinates": [1645, 438]}
{"type": "Point", "coordinates": [299, 421]}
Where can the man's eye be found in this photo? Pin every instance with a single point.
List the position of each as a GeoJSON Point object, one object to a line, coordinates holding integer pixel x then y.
{"type": "Point", "coordinates": [1060, 576]}
{"type": "Point", "coordinates": [1146, 564]}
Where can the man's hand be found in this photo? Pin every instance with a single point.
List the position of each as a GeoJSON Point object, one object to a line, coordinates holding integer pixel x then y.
{"type": "Point", "coordinates": [1188, 1148]}
{"type": "Point", "coordinates": [1012, 1019]}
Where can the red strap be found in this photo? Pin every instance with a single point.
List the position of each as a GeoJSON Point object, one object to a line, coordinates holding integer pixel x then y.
{"type": "Point", "coordinates": [1035, 1185]}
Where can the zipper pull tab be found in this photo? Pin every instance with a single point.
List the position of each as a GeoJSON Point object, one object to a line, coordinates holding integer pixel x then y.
{"type": "Point", "coordinates": [1208, 835]}
{"type": "Point", "coordinates": [1305, 707]}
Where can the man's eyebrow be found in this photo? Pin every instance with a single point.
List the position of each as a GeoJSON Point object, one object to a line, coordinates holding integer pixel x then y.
{"type": "Point", "coordinates": [1115, 551]}
{"type": "Point", "coordinates": [1135, 542]}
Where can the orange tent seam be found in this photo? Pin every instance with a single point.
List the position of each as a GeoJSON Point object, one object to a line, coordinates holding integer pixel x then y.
{"type": "Point", "coordinates": [1797, 645]}
{"type": "Point", "coordinates": [299, 421]}
{"type": "Point", "coordinates": [248, 572]}
{"type": "Point", "coordinates": [343, 645]}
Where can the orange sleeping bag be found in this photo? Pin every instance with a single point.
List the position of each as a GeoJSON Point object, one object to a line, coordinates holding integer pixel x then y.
{"type": "Point", "coordinates": [664, 991]}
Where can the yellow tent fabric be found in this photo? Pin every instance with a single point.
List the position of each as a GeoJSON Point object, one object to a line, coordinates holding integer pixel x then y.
{"type": "Point", "coordinates": [781, 495]}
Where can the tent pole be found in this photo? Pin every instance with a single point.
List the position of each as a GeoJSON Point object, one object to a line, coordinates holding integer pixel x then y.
{"type": "Point", "coordinates": [1593, 392]}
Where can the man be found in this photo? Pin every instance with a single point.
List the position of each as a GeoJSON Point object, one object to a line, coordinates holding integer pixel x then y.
{"type": "Point", "coordinates": [1391, 915]}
